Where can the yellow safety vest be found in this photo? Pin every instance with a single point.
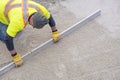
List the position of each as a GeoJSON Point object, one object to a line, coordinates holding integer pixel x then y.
{"type": "Point", "coordinates": [15, 14]}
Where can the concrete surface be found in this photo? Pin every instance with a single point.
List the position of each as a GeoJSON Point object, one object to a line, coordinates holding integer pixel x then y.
{"type": "Point", "coordinates": [90, 53]}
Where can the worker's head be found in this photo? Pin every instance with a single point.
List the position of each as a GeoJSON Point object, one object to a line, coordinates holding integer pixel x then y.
{"type": "Point", "coordinates": [38, 20]}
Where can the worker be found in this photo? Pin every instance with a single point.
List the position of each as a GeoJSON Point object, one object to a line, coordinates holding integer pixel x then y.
{"type": "Point", "coordinates": [15, 15]}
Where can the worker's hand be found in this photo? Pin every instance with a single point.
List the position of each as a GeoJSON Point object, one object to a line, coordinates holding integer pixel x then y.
{"type": "Point", "coordinates": [55, 36]}
{"type": "Point", "coordinates": [17, 59]}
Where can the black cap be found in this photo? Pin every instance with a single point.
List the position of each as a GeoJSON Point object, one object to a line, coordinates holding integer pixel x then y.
{"type": "Point", "coordinates": [39, 20]}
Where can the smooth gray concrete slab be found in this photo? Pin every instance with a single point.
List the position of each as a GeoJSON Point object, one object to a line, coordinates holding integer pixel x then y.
{"type": "Point", "coordinates": [90, 53]}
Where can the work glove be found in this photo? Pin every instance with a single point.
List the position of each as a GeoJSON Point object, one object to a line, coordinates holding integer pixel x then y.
{"type": "Point", "coordinates": [55, 36]}
{"type": "Point", "coordinates": [17, 59]}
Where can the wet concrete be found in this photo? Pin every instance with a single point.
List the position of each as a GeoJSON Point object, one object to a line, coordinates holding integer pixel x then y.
{"type": "Point", "coordinates": [110, 17]}
{"type": "Point", "coordinates": [89, 53]}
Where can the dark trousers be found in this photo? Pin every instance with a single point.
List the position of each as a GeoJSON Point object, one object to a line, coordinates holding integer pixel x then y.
{"type": "Point", "coordinates": [3, 33]}
{"type": "Point", "coordinates": [5, 38]}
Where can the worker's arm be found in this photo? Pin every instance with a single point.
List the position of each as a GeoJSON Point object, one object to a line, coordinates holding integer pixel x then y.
{"type": "Point", "coordinates": [13, 28]}
{"type": "Point", "coordinates": [15, 56]}
{"type": "Point", "coordinates": [52, 23]}
{"type": "Point", "coordinates": [55, 33]}
{"type": "Point", "coordinates": [10, 45]}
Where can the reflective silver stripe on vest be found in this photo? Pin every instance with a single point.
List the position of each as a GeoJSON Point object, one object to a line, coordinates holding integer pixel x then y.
{"type": "Point", "coordinates": [7, 9]}
{"type": "Point", "coordinates": [34, 6]}
{"type": "Point", "coordinates": [25, 10]}
{"type": "Point", "coordinates": [13, 6]}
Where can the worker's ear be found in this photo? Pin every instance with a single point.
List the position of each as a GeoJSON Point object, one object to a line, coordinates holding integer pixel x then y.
{"type": "Point", "coordinates": [31, 21]}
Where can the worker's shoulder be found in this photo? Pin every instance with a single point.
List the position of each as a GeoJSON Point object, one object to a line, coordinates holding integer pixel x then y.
{"type": "Point", "coordinates": [33, 2]}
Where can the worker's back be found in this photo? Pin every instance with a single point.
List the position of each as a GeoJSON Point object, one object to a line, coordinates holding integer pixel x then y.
{"type": "Point", "coordinates": [19, 10]}
{"type": "Point", "coordinates": [16, 16]}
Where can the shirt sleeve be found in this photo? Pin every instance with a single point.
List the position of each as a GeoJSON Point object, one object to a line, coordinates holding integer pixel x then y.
{"type": "Point", "coordinates": [51, 21]}
{"type": "Point", "coordinates": [14, 27]}
{"type": "Point", "coordinates": [9, 43]}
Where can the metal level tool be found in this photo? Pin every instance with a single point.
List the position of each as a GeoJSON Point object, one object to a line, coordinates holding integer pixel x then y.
{"type": "Point", "coordinates": [50, 42]}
